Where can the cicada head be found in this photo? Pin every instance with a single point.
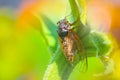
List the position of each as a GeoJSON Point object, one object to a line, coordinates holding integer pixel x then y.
{"type": "Point", "coordinates": [63, 27]}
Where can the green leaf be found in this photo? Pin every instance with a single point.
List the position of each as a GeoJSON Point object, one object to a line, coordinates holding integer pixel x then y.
{"type": "Point", "coordinates": [48, 31]}
{"type": "Point", "coordinates": [52, 32]}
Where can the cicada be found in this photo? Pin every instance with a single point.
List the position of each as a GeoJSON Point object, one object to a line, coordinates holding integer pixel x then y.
{"type": "Point", "coordinates": [70, 42]}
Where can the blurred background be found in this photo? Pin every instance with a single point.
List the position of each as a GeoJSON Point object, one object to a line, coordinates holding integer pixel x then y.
{"type": "Point", "coordinates": [24, 54]}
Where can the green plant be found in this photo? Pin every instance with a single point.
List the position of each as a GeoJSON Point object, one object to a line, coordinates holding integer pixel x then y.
{"type": "Point", "coordinates": [96, 44]}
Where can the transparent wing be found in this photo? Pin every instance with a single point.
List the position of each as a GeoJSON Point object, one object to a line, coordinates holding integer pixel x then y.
{"type": "Point", "coordinates": [83, 64]}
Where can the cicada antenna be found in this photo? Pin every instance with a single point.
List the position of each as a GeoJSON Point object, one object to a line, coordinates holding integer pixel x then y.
{"type": "Point", "coordinates": [68, 15]}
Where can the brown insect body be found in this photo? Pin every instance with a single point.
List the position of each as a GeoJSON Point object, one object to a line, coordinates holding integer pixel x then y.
{"type": "Point", "coordinates": [68, 39]}
{"type": "Point", "coordinates": [68, 46]}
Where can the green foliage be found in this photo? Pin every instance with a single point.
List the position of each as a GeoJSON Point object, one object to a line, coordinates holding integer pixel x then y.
{"type": "Point", "coordinates": [95, 45]}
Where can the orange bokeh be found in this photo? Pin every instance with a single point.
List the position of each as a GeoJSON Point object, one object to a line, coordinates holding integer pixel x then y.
{"type": "Point", "coordinates": [111, 10]}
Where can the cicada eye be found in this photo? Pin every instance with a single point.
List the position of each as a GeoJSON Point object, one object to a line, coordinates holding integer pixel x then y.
{"type": "Point", "coordinates": [63, 33]}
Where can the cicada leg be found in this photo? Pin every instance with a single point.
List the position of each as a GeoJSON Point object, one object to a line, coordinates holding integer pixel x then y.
{"type": "Point", "coordinates": [71, 24]}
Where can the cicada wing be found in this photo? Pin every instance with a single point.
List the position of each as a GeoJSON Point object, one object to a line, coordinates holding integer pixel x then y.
{"type": "Point", "coordinates": [64, 44]}
{"type": "Point", "coordinates": [61, 44]}
{"type": "Point", "coordinates": [82, 53]}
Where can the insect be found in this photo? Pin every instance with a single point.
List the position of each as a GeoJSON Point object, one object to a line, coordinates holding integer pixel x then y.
{"type": "Point", "coordinates": [70, 42]}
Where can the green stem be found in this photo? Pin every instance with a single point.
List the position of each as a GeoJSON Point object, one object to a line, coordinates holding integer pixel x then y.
{"type": "Point", "coordinates": [74, 9]}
